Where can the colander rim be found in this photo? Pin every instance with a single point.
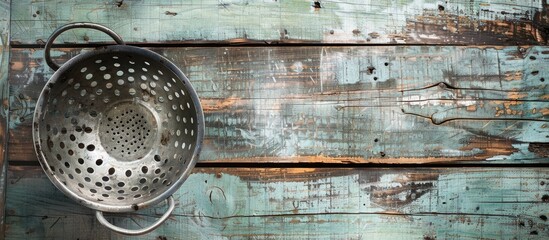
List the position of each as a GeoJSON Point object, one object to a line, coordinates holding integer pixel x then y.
{"type": "Point", "coordinates": [98, 205]}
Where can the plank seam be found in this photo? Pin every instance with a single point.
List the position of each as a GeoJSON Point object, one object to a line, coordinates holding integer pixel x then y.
{"type": "Point", "coordinates": [340, 165]}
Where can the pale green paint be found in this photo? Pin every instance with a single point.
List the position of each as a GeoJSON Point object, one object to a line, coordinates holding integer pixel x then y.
{"type": "Point", "coordinates": [341, 204]}
{"type": "Point", "coordinates": [338, 21]}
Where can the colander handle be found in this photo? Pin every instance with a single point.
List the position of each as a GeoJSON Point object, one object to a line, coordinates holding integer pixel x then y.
{"type": "Point", "coordinates": [69, 26]}
{"type": "Point", "coordinates": [102, 220]}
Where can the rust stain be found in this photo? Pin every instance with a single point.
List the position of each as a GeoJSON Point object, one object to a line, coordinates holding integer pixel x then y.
{"type": "Point", "coordinates": [471, 108]}
{"type": "Point", "coordinates": [544, 111]}
{"type": "Point", "coordinates": [513, 76]}
{"type": "Point", "coordinates": [490, 147]}
{"type": "Point", "coordinates": [300, 170]}
{"type": "Point", "coordinates": [165, 138]}
{"type": "Point", "coordinates": [516, 95]}
{"type": "Point", "coordinates": [506, 108]}
{"type": "Point", "coordinates": [210, 105]}
{"type": "Point", "coordinates": [280, 174]}
{"type": "Point", "coordinates": [18, 66]}
{"type": "Point", "coordinates": [295, 221]}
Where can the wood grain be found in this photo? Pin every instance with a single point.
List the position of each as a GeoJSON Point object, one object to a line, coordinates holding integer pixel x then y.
{"type": "Point", "coordinates": [323, 203]}
{"type": "Point", "coordinates": [502, 22]}
{"type": "Point", "coordinates": [4, 106]}
{"type": "Point", "coordinates": [385, 104]}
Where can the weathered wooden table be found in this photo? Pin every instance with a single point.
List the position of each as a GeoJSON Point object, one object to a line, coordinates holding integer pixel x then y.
{"type": "Point", "coordinates": [324, 119]}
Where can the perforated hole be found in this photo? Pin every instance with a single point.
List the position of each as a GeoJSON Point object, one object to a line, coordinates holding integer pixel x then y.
{"type": "Point", "coordinates": [90, 147]}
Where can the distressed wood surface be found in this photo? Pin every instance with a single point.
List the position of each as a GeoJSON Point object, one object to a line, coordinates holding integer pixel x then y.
{"type": "Point", "coordinates": [276, 203]}
{"type": "Point", "coordinates": [486, 102]}
{"type": "Point", "coordinates": [391, 104]}
{"type": "Point", "coordinates": [507, 22]}
{"type": "Point", "coordinates": [4, 94]}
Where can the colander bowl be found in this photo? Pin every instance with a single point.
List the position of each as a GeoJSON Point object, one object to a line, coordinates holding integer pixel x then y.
{"type": "Point", "coordinates": [117, 129]}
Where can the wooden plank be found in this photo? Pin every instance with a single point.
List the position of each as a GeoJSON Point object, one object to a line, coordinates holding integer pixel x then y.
{"type": "Point", "coordinates": [387, 104]}
{"type": "Point", "coordinates": [503, 22]}
{"type": "Point", "coordinates": [4, 98]}
{"type": "Point", "coordinates": [274, 203]}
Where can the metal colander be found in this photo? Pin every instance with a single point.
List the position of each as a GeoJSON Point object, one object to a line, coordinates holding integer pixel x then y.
{"type": "Point", "coordinates": [117, 129]}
